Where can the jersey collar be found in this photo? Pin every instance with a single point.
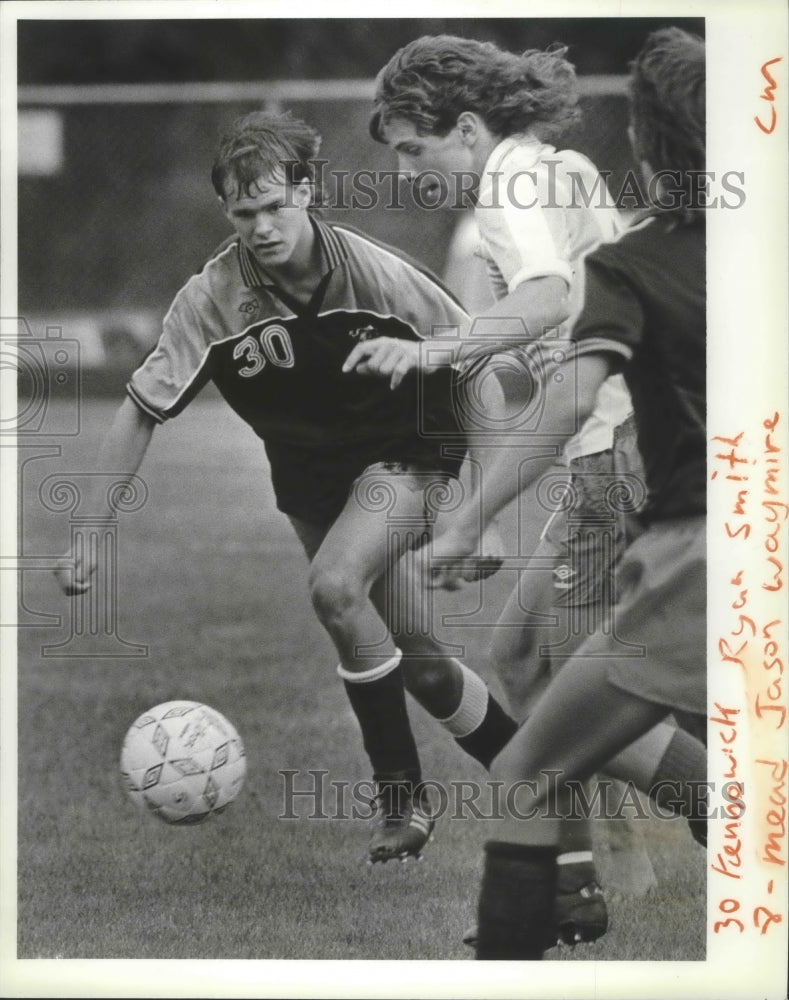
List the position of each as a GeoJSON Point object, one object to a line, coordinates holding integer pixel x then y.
{"type": "Point", "coordinates": [333, 252]}
{"type": "Point", "coordinates": [529, 146]}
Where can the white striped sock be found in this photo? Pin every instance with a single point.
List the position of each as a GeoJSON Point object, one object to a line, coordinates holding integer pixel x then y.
{"type": "Point", "coordinates": [574, 857]}
{"type": "Point", "coordinates": [374, 674]}
{"type": "Point", "coordinates": [473, 705]}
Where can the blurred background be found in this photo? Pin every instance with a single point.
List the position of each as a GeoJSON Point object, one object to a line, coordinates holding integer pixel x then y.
{"type": "Point", "coordinates": [119, 121]}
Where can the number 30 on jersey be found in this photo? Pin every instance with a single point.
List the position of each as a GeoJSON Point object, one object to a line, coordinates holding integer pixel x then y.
{"type": "Point", "coordinates": [272, 345]}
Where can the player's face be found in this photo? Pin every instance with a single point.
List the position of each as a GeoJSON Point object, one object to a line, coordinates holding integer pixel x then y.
{"type": "Point", "coordinates": [272, 221]}
{"type": "Point", "coordinates": [422, 157]}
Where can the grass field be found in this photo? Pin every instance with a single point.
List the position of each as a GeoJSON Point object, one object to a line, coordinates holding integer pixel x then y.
{"type": "Point", "coordinates": [212, 580]}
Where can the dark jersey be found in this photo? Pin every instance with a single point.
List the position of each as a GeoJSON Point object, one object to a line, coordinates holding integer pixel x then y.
{"type": "Point", "coordinates": [278, 364]}
{"type": "Point", "coordinates": [646, 303]}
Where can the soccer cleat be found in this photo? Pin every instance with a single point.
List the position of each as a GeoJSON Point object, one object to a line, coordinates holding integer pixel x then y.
{"type": "Point", "coordinates": [580, 916]}
{"type": "Point", "coordinates": [404, 822]}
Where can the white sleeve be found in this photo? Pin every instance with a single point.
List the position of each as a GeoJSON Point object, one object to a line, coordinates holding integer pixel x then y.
{"type": "Point", "coordinates": [525, 239]}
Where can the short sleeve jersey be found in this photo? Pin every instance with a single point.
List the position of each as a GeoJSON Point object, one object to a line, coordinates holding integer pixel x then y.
{"type": "Point", "coordinates": [539, 212]}
{"type": "Point", "coordinates": [279, 366]}
{"type": "Point", "coordinates": [646, 304]}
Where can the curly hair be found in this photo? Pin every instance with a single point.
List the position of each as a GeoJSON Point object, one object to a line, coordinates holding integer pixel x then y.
{"type": "Point", "coordinates": [259, 145]}
{"type": "Point", "coordinates": [433, 79]}
{"type": "Point", "coordinates": [667, 104]}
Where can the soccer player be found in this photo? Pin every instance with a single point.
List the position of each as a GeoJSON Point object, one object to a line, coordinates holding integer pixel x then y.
{"type": "Point", "coordinates": [475, 118]}
{"type": "Point", "coordinates": [270, 320]}
{"type": "Point", "coordinates": [466, 115]}
{"type": "Point", "coordinates": [644, 315]}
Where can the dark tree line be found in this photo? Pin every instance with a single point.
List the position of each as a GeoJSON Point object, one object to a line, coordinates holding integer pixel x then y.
{"type": "Point", "coordinates": [261, 49]}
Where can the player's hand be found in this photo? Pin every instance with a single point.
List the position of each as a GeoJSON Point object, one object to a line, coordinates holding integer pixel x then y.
{"type": "Point", "coordinates": [491, 557]}
{"type": "Point", "coordinates": [458, 558]}
{"type": "Point", "coordinates": [75, 573]}
{"type": "Point", "coordinates": [387, 357]}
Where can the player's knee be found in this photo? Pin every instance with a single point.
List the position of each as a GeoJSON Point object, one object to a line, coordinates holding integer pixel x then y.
{"type": "Point", "coordinates": [423, 676]}
{"type": "Point", "coordinates": [336, 592]}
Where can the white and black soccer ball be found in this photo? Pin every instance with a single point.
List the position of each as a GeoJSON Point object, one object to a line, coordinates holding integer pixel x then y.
{"type": "Point", "coordinates": [183, 761]}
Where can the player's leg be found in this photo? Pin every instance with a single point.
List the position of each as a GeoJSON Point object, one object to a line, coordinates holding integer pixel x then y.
{"type": "Point", "coordinates": [670, 766]}
{"type": "Point", "coordinates": [530, 624]}
{"type": "Point", "coordinates": [520, 640]}
{"type": "Point", "coordinates": [530, 627]}
{"type": "Point", "coordinates": [443, 685]}
{"type": "Point", "coordinates": [668, 763]}
{"type": "Point", "coordinates": [517, 915]}
{"type": "Point", "coordinates": [356, 549]}
{"type": "Point", "coordinates": [589, 537]}
{"type": "Point", "coordinates": [535, 622]}
{"type": "Point", "coordinates": [386, 734]}
{"type": "Point", "coordinates": [597, 704]}
{"type": "Point", "coordinates": [452, 693]}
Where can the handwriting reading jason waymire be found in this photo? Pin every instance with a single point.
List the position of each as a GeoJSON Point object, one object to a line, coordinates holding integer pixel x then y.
{"type": "Point", "coordinates": [749, 468]}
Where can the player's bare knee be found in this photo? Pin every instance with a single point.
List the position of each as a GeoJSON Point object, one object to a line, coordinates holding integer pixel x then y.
{"type": "Point", "coordinates": [423, 675]}
{"type": "Point", "coordinates": [335, 593]}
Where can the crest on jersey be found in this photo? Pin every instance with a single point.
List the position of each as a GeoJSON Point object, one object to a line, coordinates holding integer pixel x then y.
{"type": "Point", "coordinates": [248, 307]}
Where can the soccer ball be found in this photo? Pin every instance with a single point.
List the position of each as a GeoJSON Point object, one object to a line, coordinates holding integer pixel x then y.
{"type": "Point", "coordinates": [183, 761]}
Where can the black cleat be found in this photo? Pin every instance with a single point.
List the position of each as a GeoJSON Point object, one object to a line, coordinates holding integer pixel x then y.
{"type": "Point", "coordinates": [404, 822]}
{"type": "Point", "coordinates": [580, 916]}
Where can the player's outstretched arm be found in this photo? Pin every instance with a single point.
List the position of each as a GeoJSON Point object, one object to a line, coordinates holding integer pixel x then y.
{"type": "Point", "coordinates": [121, 453]}
{"type": "Point", "coordinates": [570, 392]}
{"type": "Point", "coordinates": [535, 306]}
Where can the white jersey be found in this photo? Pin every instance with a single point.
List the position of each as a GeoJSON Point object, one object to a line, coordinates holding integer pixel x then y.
{"type": "Point", "coordinates": [539, 212]}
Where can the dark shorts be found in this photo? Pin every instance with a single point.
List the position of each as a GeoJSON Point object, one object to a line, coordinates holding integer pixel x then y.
{"type": "Point", "coordinates": [314, 485]}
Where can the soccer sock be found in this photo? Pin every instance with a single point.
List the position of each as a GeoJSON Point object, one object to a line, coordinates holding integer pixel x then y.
{"type": "Point", "coordinates": [377, 697]}
{"type": "Point", "coordinates": [479, 724]}
{"type": "Point", "coordinates": [679, 782]}
{"type": "Point", "coordinates": [575, 863]}
{"type": "Point", "coordinates": [574, 869]}
{"type": "Point", "coordinates": [516, 901]}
